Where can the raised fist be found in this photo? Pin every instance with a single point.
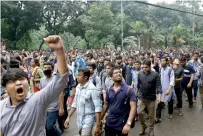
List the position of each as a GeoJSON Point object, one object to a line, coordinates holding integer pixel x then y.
{"type": "Point", "coordinates": [54, 42]}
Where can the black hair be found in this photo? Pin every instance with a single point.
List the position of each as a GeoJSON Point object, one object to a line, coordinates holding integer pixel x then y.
{"type": "Point", "coordinates": [165, 58]}
{"type": "Point", "coordinates": [183, 59]}
{"type": "Point", "coordinates": [36, 61]}
{"type": "Point", "coordinates": [118, 58]}
{"type": "Point", "coordinates": [14, 63]}
{"type": "Point", "coordinates": [49, 63]}
{"type": "Point", "coordinates": [13, 74]}
{"type": "Point", "coordinates": [17, 57]}
{"type": "Point", "coordinates": [131, 57]}
{"type": "Point", "coordinates": [90, 55]}
{"type": "Point", "coordinates": [138, 61]}
{"type": "Point", "coordinates": [113, 69]}
{"type": "Point", "coordinates": [85, 71]}
{"type": "Point", "coordinates": [196, 53]}
{"type": "Point", "coordinates": [3, 60]}
{"type": "Point", "coordinates": [147, 62]}
{"type": "Point", "coordinates": [107, 59]}
{"type": "Point", "coordinates": [109, 64]}
{"type": "Point", "coordinates": [93, 65]}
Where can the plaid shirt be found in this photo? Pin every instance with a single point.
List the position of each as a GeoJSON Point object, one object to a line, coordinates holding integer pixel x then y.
{"type": "Point", "coordinates": [87, 102]}
{"type": "Point", "coordinates": [200, 75]}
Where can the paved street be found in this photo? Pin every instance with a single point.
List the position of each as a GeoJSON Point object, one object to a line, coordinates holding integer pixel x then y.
{"type": "Point", "coordinates": [191, 124]}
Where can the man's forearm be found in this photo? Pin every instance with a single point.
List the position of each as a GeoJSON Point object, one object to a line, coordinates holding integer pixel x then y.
{"type": "Point", "coordinates": [61, 61]}
{"type": "Point", "coordinates": [98, 116]}
{"type": "Point", "coordinates": [105, 108]}
{"type": "Point", "coordinates": [132, 111]}
{"type": "Point", "coordinates": [72, 110]}
{"type": "Point", "coordinates": [61, 100]}
{"type": "Point", "coordinates": [192, 78]}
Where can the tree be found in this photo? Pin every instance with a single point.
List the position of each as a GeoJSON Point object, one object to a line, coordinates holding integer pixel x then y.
{"type": "Point", "coordinates": [18, 18]}
{"type": "Point", "coordinates": [100, 24]}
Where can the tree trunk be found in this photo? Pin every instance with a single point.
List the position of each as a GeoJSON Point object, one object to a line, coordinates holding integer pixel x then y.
{"type": "Point", "coordinates": [166, 41]}
{"type": "Point", "coordinates": [87, 44]}
{"type": "Point", "coordinates": [40, 46]}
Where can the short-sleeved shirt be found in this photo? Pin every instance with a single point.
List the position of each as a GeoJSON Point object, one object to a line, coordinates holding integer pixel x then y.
{"type": "Point", "coordinates": [119, 106]}
{"type": "Point", "coordinates": [54, 106]}
{"type": "Point", "coordinates": [188, 70]}
{"type": "Point", "coordinates": [28, 118]}
{"type": "Point", "coordinates": [178, 74]}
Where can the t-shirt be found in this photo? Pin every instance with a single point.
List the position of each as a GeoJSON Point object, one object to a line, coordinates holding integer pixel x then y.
{"type": "Point", "coordinates": [54, 106]}
{"type": "Point", "coordinates": [178, 74]}
{"type": "Point", "coordinates": [188, 70]}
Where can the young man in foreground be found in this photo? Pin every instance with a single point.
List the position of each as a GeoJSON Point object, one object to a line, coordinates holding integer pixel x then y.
{"type": "Point", "coordinates": [22, 113]}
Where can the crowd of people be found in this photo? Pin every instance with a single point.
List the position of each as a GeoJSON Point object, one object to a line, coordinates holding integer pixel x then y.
{"type": "Point", "coordinates": [108, 89]}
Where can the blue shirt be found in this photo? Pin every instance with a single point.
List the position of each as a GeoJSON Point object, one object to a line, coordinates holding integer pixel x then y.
{"type": "Point", "coordinates": [188, 70]}
{"type": "Point", "coordinates": [87, 102]}
{"type": "Point", "coordinates": [129, 71]}
{"type": "Point", "coordinates": [119, 106]}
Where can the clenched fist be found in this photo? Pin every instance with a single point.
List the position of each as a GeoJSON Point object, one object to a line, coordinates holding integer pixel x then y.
{"type": "Point", "coordinates": [54, 42]}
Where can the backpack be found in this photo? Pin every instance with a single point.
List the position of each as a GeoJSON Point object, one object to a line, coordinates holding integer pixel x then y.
{"type": "Point", "coordinates": [81, 62]}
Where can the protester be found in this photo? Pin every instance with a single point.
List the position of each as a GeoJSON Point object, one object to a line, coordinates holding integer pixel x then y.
{"type": "Point", "coordinates": [23, 113]}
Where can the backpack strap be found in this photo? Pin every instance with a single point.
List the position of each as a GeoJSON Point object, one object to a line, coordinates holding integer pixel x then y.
{"type": "Point", "coordinates": [94, 80]}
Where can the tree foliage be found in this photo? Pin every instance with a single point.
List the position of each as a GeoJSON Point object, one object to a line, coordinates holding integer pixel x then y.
{"type": "Point", "coordinates": [97, 24]}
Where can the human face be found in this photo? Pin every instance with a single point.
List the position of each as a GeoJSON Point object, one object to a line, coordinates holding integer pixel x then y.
{"type": "Point", "coordinates": [119, 61]}
{"type": "Point", "coordinates": [32, 63]}
{"type": "Point", "coordinates": [108, 69]}
{"type": "Point", "coordinates": [17, 90]}
{"type": "Point", "coordinates": [91, 70]}
{"type": "Point", "coordinates": [117, 75]}
{"type": "Point", "coordinates": [146, 68]}
{"type": "Point", "coordinates": [175, 65]}
{"type": "Point", "coordinates": [137, 66]}
{"type": "Point", "coordinates": [163, 62]}
{"type": "Point", "coordinates": [81, 78]}
{"type": "Point", "coordinates": [183, 63]}
{"type": "Point", "coordinates": [47, 67]}
{"type": "Point", "coordinates": [195, 57]}
{"type": "Point", "coordinates": [130, 62]}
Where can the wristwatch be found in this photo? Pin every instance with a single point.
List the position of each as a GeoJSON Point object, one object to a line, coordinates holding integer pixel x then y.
{"type": "Point", "coordinates": [129, 123]}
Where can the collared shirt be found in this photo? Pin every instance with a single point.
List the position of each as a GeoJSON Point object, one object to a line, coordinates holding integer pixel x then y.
{"type": "Point", "coordinates": [87, 102]}
{"type": "Point", "coordinates": [135, 78]}
{"type": "Point", "coordinates": [119, 106]}
{"type": "Point", "coordinates": [28, 117]}
{"type": "Point", "coordinates": [195, 66]}
{"type": "Point", "coordinates": [97, 81]}
{"type": "Point", "coordinates": [167, 79]}
{"type": "Point", "coordinates": [129, 71]}
{"type": "Point", "coordinates": [188, 70]}
{"type": "Point", "coordinates": [200, 82]}
{"type": "Point", "coordinates": [149, 84]}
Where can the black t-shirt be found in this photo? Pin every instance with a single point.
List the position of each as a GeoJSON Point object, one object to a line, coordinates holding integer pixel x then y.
{"type": "Point", "coordinates": [178, 74]}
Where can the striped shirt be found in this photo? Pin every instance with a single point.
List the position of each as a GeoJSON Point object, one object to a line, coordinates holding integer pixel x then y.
{"type": "Point", "coordinates": [87, 102]}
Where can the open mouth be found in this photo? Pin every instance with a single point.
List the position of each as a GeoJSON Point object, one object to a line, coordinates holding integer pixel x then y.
{"type": "Point", "coordinates": [19, 90]}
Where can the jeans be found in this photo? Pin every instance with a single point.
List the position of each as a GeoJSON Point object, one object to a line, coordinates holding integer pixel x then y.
{"type": "Point", "coordinates": [179, 94]}
{"type": "Point", "coordinates": [51, 129]}
{"type": "Point", "coordinates": [189, 94]}
{"type": "Point", "coordinates": [195, 87]}
{"type": "Point", "coordinates": [85, 132]}
{"type": "Point", "coordinates": [62, 119]}
{"type": "Point", "coordinates": [113, 132]}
